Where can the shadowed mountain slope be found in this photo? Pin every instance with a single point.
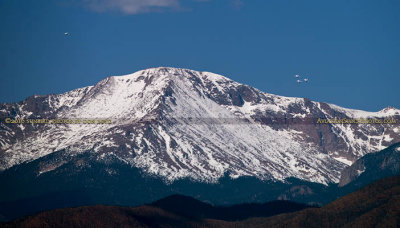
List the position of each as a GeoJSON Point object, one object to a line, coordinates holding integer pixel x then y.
{"type": "Point", "coordinates": [376, 205]}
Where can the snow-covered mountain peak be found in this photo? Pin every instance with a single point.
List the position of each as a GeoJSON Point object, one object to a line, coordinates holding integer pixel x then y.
{"type": "Point", "coordinates": [354, 113]}
{"type": "Point", "coordinates": [172, 72]}
{"type": "Point", "coordinates": [390, 111]}
{"type": "Point", "coordinates": [179, 123]}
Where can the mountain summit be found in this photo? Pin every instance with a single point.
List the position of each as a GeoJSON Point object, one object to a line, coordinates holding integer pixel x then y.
{"type": "Point", "coordinates": [179, 123]}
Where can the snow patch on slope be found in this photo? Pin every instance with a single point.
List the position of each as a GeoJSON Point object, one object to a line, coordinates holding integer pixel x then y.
{"type": "Point", "coordinates": [354, 113]}
{"type": "Point", "coordinates": [344, 160]}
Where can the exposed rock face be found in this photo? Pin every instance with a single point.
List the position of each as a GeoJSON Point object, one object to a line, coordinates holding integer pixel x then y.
{"type": "Point", "coordinates": [373, 166]}
{"type": "Point", "coordinates": [179, 123]}
{"type": "Point", "coordinates": [351, 173]}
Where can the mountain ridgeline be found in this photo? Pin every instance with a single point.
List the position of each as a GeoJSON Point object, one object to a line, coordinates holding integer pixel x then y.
{"type": "Point", "coordinates": [130, 140]}
{"type": "Point", "coordinates": [179, 123]}
{"type": "Point", "coordinates": [376, 205]}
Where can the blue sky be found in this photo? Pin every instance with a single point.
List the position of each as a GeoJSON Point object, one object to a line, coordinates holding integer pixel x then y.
{"type": "Point", "coordinates": [350, 50]}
